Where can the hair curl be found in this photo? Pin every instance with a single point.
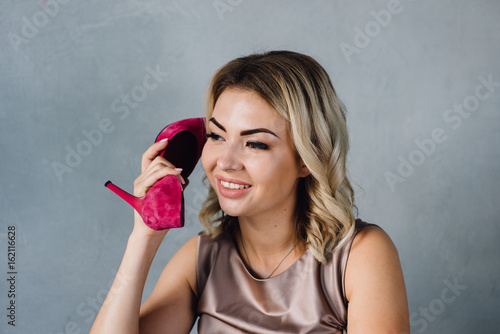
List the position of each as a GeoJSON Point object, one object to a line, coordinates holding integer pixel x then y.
{"type": "Point", "coordinates": [300, 91]}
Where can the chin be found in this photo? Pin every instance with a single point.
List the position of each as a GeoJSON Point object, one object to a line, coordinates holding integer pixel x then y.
{"type": "Point", "coordinates": [230, 210]}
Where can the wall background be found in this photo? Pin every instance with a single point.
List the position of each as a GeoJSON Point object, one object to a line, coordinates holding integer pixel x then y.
{"type": "Point", "coordinates": [66, 68]}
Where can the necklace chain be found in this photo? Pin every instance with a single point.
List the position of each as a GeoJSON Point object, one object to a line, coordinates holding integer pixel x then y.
{"type": "Point", "coordinates": [272, 272]}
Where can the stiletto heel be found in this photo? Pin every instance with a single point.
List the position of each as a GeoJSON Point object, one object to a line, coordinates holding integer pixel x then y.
{"type": "Point", "coordinates": [163, 206]}
{"type": "Point", "coordinates": [136, 202]}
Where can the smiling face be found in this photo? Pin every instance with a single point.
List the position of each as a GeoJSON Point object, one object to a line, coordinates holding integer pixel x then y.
{"type": "Point", "coordinates": [249, 158]}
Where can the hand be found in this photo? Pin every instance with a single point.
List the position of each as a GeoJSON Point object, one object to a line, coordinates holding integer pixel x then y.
{"type": "Point", "coordinates": [153, 168]}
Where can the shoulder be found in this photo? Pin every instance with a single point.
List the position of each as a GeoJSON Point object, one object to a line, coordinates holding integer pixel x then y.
{"type": "Point", "coordinates": [374, 283]}
{"type": "Point", "coordinates": [189, 249]}
{"type": "Point", "coordinates": [371, 240]}
{"type": "Point", "coordinates": [372, 252]}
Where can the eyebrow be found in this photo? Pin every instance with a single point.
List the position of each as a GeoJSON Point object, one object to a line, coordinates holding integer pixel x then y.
{"type": "Point", "coordinates": [246, 132]}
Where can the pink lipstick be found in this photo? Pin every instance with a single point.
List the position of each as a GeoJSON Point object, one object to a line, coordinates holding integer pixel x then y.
{"type": "Point", "coordinates": [231, 188]}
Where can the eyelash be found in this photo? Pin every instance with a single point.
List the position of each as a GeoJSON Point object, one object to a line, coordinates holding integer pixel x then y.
{"type": "Point", "coordinates": [252, 144]}
{"type": "Point", "coordinates": [257, 145]}
{"type": "Point", "coordinates": [213, 136]}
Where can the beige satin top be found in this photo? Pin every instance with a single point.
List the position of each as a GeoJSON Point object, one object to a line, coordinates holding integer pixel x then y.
{"type": "Point", "coordinates": [308, 297]}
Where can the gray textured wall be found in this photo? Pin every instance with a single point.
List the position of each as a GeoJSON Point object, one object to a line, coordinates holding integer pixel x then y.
{"type": "Point", "coordinates": [424, 123]}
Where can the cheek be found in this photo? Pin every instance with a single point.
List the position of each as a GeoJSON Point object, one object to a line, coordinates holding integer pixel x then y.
{"type": "Point", "coordinates": [282, 171]}
{"type": "Point", "coordinates": [270, 170]}
{"type": "Point", "coordinates": [208, 158]}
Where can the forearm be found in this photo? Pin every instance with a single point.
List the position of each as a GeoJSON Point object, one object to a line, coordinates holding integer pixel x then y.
{"type": "Point", "coordinates": [120, 311]}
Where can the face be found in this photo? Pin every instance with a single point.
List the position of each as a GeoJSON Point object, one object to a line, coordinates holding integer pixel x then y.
{"type": "Point", "coordinates": [249, 158]}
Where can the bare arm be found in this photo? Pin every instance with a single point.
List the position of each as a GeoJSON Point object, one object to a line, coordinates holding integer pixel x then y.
{"type": "Point", "coordinates": [121, 310]}
{"type": "Point", "coordinates": [375, 286]}
{"type": "Point", "coordinates": [171, 308]}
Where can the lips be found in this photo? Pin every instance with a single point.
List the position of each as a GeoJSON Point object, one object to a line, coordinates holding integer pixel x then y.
{"type": "Point", "coordinates": [231, 188]}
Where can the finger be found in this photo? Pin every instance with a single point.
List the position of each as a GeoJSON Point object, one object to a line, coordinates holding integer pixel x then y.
{"type": "Point", "coordinates": [161, 162]}
{"type": "Point", "coordinates": [156, 172]}
{"type": "Point", "coordinates": [146, 180]}
{"type": "Point", "coordinates": [151, 180]}
{"type": "Point", "coordinates": [156, 163]}
{"type": "Point", "coordinates": [185, 184]}
{"type": "Point", "coordinates": [152, 152]}
{"type": "Point", "coordinates": [179, 176]}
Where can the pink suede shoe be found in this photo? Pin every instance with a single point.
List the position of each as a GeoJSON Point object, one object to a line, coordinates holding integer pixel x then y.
{"type": "Point", "coordinates": [163, 205]}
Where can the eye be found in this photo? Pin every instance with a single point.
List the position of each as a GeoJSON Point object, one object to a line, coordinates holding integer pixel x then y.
{"type": "Point", "coordinates": [257, 145]}
{"type": "Point", "coordinates": [213, 136]}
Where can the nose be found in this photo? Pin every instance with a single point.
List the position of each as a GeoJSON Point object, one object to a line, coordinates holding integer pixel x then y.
{"type": "Point", "coordinates": [229, 158]}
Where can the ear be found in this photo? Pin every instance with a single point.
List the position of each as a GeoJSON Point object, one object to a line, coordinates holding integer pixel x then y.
{"type": "Point", "coordinates": [304, 171]}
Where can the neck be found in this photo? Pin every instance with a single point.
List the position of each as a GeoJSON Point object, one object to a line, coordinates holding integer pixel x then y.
{"type": "Point", "coordinates": [267, 235]}
{"type": "Point", "coordinates": [266, 242]}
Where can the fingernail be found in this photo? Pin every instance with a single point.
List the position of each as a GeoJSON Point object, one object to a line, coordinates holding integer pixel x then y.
{"type": "Point", "coordinates": [180, 176]}
{"type": "Point", "coordinates": [163, 140]}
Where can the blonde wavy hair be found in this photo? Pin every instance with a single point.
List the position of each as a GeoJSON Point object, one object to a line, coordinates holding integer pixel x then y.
{"type": "Point", "coordinates": [301, 92]}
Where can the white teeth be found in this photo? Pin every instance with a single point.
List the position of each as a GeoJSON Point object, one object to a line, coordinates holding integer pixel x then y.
{"type": "Point", "coordinates": [233, 185]}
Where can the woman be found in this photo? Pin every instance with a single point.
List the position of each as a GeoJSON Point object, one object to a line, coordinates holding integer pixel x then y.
{"type": "Point", "coordinates": [282, 251]}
